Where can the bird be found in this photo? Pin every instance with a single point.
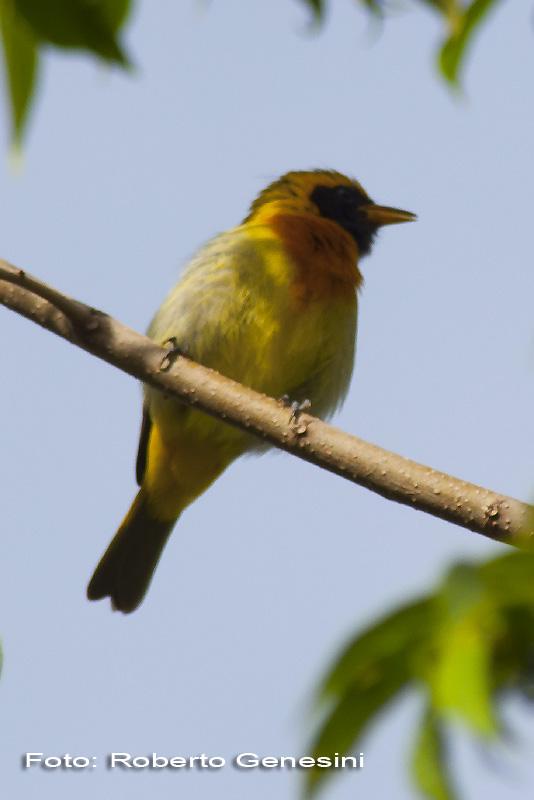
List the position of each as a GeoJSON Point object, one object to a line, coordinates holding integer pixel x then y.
{"type": "Point", "coordinates": [271, 303]}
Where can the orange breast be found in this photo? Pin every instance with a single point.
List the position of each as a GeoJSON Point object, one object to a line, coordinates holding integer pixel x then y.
{"type": "Point", "coordinates": [324, 254]}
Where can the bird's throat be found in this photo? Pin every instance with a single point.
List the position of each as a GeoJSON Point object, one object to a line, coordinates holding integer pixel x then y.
{"type": "Point", "coordinates": [325, 257]}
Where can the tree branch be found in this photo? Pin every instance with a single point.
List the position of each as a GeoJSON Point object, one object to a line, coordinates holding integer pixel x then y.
{"type": "Point", "coordinates": [494, 515]}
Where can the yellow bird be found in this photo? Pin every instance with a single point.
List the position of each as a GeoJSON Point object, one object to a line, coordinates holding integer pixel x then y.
{"type": "Point", "coordinates": [272, 304]}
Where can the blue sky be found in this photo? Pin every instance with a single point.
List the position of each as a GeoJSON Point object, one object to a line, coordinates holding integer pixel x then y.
{"type": "Point", "coordinates": [268, 574]}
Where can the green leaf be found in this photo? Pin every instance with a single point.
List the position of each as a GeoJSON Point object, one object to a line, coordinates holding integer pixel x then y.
{"type": "Point", "coordinates": [468, 645]}
{"type": "Point", "coordinates": [513, 656]}
{"type": "Point", "coordinates": [460, 672]}
{"type": "Point", "coordinates": [375, 666]}
{"type": "Point", "coordinates": [461, 680]}
{"type": "Point", "coordinates": [510, 578]}
{"type": "Point", "coordinates": [394, 637]}
{"type": "Point", "coordinates": [317, 8]}
{"type": "Point", "coordinates": [374, 6]}
{"type": "Point", "coordinates": [429, 766]}
{"type": "Point", "coordinates": [349, 718]}
{"type": "Point", "coordinates": [372, 669]}
{"type": "Point", "coordinates": [115, 12]}
{"type": "Point", "coordinates": [453, 51]}
{"type": "Point", "coordinates": [451, 9]}
{"type": "Point", "coordinates": [79, 24]}
{"type": "Point", "coordinates": [462, 590]}
{"type": "Point", "coordinates": [21, 66]}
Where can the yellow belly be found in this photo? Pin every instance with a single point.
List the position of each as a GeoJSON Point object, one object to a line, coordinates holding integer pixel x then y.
{"type": "Point", "coordinates": [234, 311]}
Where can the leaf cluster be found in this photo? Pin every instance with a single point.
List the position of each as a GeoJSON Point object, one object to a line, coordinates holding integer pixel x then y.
{"type": "Point", "coordinates": [461, 20]}
{"type": "Point", "coordinates": [29, 26]}
{"type": "Point", "coordinates": [94, 26]}
{"type": "Point", "coordinates": [464, 648]}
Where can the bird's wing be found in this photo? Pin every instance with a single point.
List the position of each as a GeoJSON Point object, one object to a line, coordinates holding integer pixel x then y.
{"type": "Point", "coordinates": [142, 450]}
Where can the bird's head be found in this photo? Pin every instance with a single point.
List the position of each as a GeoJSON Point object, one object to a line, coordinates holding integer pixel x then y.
{"type": "Point", "coordinates": [329, 194]}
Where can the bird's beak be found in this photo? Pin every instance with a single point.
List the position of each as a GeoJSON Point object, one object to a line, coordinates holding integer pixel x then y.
{"type": "Point", "coordinates": [384, 215]}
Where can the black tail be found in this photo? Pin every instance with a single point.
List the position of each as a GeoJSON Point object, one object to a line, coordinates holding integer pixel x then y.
{"type": "Point", "coordinates": [126, 568]}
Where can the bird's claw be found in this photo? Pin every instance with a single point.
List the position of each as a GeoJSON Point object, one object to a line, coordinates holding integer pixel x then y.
{"type": "Point", "coordinates": [296, 407]}
{"type": "Point", "coordinates": [173, 351]}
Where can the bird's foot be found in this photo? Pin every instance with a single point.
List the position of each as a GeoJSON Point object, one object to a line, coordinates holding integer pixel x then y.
{"type": "Point", "coordinates": [173, 351]}
{"type": "Point", "coordinates": [296, 407]}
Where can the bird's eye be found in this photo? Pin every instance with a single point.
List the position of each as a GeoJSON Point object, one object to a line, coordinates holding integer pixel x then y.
{"type": "Point", "coordinates": [350, 196]}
